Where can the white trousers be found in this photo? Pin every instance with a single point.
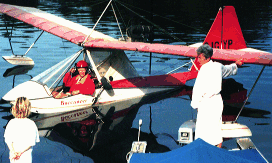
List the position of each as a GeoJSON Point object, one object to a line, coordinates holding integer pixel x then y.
{"type": "Point", "coordinates": [209, 120]}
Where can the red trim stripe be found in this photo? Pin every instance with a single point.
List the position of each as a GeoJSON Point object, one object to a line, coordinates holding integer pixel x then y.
{"type": "Point", "coordinates": [177, 79]}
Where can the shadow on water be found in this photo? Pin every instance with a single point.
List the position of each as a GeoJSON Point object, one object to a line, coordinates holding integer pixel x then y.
{"type": "Point", "coordinates": [246, 112]}
{"type": "Point", "coordinates": [18, 70]}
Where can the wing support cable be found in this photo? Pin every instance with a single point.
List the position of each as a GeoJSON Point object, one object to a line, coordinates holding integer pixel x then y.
{"type": "Point", "coordinates": [82, 44]}
{"type": "Point", "coordinates": [250, 93]}
{"type": "Point", "coordinates": [161, 29]}
{"type": "Point", "coordinates": [117, 22]}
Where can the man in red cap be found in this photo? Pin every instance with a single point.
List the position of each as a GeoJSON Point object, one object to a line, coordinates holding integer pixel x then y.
{"type": "Point", "coordinates": [81, 83]}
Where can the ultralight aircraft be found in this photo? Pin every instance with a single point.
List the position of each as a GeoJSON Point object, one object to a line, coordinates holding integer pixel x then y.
{"type": "Point", "coordinates": [117, 79]}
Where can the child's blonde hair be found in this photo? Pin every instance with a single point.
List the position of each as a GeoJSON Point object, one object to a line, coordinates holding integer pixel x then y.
{"type": "Point", "coordinates": [21, 108]}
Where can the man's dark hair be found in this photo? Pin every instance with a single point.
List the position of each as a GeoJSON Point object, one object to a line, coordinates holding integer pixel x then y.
{"type": "Point", "coordinates": [206, 50]}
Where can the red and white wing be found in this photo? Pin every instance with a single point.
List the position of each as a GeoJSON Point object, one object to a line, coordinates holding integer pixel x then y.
{"type": "Point", "coordinates": [50, 23]}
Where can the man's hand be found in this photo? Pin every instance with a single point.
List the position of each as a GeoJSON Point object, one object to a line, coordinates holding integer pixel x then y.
{"type": "Point", "coordinates": [239, 62]}
{"type": "Point", "coordinates": [18, 155]}
{"type": "Point", "coordinates": [72, 70]}
{"type": "Point", "coordinates": [15, 155]}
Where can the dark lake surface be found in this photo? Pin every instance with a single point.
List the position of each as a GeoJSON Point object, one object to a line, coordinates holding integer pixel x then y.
{"type": "Point", "coordinates": [186, 22]}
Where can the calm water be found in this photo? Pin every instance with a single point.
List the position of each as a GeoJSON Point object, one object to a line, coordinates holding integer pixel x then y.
{"type": "Point", "coordinates": [189, 24]}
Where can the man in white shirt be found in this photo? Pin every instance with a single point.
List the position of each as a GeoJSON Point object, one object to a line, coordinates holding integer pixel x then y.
{"type": "Point", "coordinates": [206, 97]}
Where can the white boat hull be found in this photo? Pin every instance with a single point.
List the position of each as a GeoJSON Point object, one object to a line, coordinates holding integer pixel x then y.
{"type": "Point", "coordinates": [127, 96]}
{"type": "Point", "coordinates": [43, 102]}
{"type": "Point", "coordinates": [229, 130]}
{"type": "Point", "coordinates": [235, 130]}
{"type": "Point", "coordinates": [18, 60]}
{"type": "Point", "coordinates": [118, 110]}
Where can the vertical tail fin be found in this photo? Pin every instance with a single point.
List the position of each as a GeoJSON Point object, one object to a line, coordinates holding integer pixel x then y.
{"type": "Point", "coordinates": [231, 37]}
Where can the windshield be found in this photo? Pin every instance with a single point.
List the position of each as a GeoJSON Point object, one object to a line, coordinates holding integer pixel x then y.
{"type": "Point", "coordinates": [111, 63]}
{"type": "Point", "coordinates": [52, 76]}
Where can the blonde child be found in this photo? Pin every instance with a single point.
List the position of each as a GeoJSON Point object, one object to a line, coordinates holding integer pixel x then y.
{"type": "Point", "coordinates": [21, 133]}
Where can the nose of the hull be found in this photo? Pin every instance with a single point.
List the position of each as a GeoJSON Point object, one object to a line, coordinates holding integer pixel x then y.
{"type": "Point", "coordinates": [29, 89]}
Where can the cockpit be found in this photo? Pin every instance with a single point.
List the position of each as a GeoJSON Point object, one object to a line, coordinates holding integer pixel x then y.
{"type": "Point", "coordinates": [110, 65]}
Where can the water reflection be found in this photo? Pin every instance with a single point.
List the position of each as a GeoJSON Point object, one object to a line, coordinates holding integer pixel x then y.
{"type": "Point", "coordinates": [247, 112]}
{"type": "Point", "coordinates": [88, 132]}
{"type": "Point", "coordinates": [18, 70]}
{"type": "Point", "coordinates": [30, 3]}
{"type": "Point", "coordinates": [109, 121]}
{"type": "Point", "coordinates": [108, 137]}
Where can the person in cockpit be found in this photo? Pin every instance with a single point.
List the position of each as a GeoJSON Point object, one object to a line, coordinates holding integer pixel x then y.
{"type": "Point", "coordinates": [81, 83]}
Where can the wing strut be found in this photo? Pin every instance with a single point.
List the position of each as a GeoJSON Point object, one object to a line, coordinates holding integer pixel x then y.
{"type": "Point", "coordinates": [33, 43]}
{"type": "Point", "coordinates": [181, 67]}
{"type": "Point", "coordinates": [93, 66]}
{"type": "Point", "coordinates": [250, 93]}
{"type": "Point", "coordinates": [105, 83]}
